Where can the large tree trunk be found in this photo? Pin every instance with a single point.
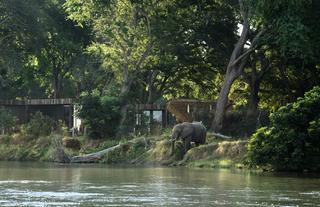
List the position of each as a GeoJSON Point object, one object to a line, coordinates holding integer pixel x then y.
{"type": "Point", "coordinates": [151, 87]}
{"type": "Point", "coordinates": [223, 100]}
{"type": "Point", "coordinates": [123, 113]}
{"type": "Point", "coordinates": [236, 64]}
{"type": "Point", "coordinates": [254, 98]}
{"type": "Point", "coordinates": [128, 80]}
{"type": "Point", "coordinates": [55, 82]}
{"type": "Point", "coordinates": [235, 67]}
{"type": "Point", "coordinates": [150, 90]}
{"type": "Point", "coordinates": [124, 105]}
{"type": "Point", "coordinates": [254, 79]}
{"type": "Point", "coordinates": [56, 74]}
{"type": "Point", "coordinates": [56, 88]}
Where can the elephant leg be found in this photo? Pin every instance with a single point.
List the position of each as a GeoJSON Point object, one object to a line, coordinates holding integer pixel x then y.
{"type": "Point", "coordinates": [172, 148]}
{"type": "Point", "coordinates": [187, 144]}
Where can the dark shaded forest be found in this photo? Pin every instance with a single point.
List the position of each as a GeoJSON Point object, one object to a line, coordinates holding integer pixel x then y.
{"type": "Point", "coordinates": [110, 55]}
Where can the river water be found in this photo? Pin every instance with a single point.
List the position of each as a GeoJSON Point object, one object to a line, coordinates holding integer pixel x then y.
{"type": "Point", "coordinates": [34, 184]}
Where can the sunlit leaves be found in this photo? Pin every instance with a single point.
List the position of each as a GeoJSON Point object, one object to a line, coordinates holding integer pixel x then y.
{"type": "Point", "coordinates": [122, 34]}
{"type": "Point", "coordinates": [284, 21]}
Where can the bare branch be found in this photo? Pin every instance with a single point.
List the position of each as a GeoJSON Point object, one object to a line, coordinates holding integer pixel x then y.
{"type": "Point", "coordinates": [253, 46]}
{"type": "Point", "coordinates": [144, 55]}
{"type": "Point", "coordinates": [243, 37]}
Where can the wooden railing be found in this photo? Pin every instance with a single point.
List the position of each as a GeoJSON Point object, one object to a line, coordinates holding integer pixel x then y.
{"type": "Point", "coordinates": [60, 101]}
{"type": "Point", "coordinates": [152, 107]}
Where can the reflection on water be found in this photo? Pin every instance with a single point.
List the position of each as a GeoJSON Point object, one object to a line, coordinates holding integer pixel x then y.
{"type": "Point", "coordinates": [31, 184]}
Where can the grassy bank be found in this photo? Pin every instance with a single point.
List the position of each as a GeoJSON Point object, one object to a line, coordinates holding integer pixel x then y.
{"type": "Point", "coordinates": [151, 150]}
{"type": "Point", "coordinates": [20, 148]}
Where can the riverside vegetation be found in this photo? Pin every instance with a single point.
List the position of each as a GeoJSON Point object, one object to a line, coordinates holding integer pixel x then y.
{"type": "Point", "coordinates": [111, 55]}
{"type": "Point", "coordinates": [144, 150]}
{"type": "Point", "coordinates": [290, 142]}
{"type": "Point", "coordinates": [39, 140]}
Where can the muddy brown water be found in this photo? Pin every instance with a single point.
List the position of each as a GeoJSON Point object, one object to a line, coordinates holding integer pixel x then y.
{"type": "Point", "coordinates": [34, 184]}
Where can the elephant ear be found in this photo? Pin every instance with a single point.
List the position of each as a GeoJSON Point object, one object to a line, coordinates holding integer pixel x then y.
{"type": "Point", "coordinates": [174, 127]}
{"type": "Point", "coordinates": [177, 130]}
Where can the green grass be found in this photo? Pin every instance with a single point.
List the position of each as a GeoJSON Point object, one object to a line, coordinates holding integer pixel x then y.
{"type": "Point", "coordinates": [145, 150]}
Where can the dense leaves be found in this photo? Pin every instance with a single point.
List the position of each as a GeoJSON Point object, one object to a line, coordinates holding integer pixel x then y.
{"type": "Point", "coordinates": [152, 51]}
{"type": "Point", "coordinates": [7, 120]}
{"type": "Point", "coordinates": [291, 142]}
{"type": "Point", "coordinates": [101, 115]}
{"type": "Point", "coordinates": [39, 125]}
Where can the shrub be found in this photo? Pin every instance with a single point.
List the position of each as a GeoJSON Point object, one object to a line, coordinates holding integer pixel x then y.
{"type": "Point", "coordinates": [7, 120]}
{"type": "Point", "coordinates": [101, 115]}
{"type": "Point", "coordinates": [39, 125]}
{"type": "Point", "coordinates": [292, 140]}
{"type": "Point", "coordinates": [71, 143]}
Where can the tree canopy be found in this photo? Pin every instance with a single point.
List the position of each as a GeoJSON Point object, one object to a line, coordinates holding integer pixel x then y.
{"type": "Point", "coordinates": [257, 54]}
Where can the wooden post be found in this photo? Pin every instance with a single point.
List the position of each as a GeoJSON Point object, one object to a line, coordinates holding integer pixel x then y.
{"type": "Point", "coordinates": [70, 124]}
{"type": "Point", "coordinates": [164, 119]}
{"type": "Point", "coordinates": [151, 121]}
{"type": "Point", "coordinates": [26, 113]}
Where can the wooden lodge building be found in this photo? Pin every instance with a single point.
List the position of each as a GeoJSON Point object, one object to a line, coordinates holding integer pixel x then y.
{"type": "Point", "coordinates": [57, 109]}
{"type": "Point", "coordinates": [154, 117]}
{"type": "Point", "coordinates": [149, 118]}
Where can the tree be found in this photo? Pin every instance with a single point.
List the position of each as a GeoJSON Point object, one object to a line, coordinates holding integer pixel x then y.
{"type": "Point", "coordinates": [261, 63]}
{"type": "Point", "coordinates": [192, 39]}
{"type": "Point", "coordinates": [39, 49]}
{"type": "Point", "coordinates": [123, 37]}
{"type": "Point", "coordinates": [236, 64]}
{"type": "Point", "coordinates": [291, 142]}
{"type": "Point", "coordinates": [62, 49]}
{"type": "Point", "coordinates": [279, 24]}
{"type": "Point", "coordinates": [159, 47]}
{"type": "Point", "coordinates": [19, 30]}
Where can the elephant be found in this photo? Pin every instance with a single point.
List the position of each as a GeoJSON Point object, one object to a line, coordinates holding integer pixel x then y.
{"type": "Point", "coordinates": [188, 132]}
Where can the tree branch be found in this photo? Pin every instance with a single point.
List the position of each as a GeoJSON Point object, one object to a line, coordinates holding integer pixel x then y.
{"type": "Point", "coordinates": [253, 46]}
{"type": "Point", "coordinates": [144, 55]}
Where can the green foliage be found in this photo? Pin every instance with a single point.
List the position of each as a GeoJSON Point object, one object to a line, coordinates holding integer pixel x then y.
{"type": "Point", "coordinates": [5, 139]}
{"type": "Point", "coordinates": [152, 50]}
{"type": "Point", "coordinates": [7, 120]}
{"type": "Point", "coordinates": [101, 115]}
{"type": "Point", "coordinates": [288, 31]}
{"type": "Point", "coordinates": [26, 149]}
{"type": "Point", "coordinates": [191, 47]}
{"type": "Point", "coordinates": [291, 142]}
{"type": "Point", "coordinates": [39, 125]}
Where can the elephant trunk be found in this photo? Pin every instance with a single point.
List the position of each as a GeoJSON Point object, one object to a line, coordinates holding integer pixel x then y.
{"type": "Point", "coordinates": [174, 137]}
{"type": "Point", "coordinates": [172, 147]}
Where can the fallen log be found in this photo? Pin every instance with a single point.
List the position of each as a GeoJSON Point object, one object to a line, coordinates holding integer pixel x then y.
{"type": "Point", "coordinates": [221, 136]}
{"type": "Point", "coordinates": [96, 156]}
{"type": "Point", "coordinates": [93, 157]}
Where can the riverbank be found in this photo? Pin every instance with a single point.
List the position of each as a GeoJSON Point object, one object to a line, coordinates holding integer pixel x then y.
{"type": "Point", "coordinates": [144, 150]}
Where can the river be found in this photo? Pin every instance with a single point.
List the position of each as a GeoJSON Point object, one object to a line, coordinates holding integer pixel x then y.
{"type": "Point", "coordinates": [34, 184]}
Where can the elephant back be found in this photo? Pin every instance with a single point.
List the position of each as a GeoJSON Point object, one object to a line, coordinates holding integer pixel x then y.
{"type": "Point", "coordinates": [199, 132]}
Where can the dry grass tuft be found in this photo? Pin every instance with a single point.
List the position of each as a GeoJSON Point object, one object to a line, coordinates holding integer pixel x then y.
{"type": "Point", "coordinates": [161, 151]}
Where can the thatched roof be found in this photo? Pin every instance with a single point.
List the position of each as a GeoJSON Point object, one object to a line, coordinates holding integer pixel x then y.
{"type": "Point", "coordinates": [182, 108]}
